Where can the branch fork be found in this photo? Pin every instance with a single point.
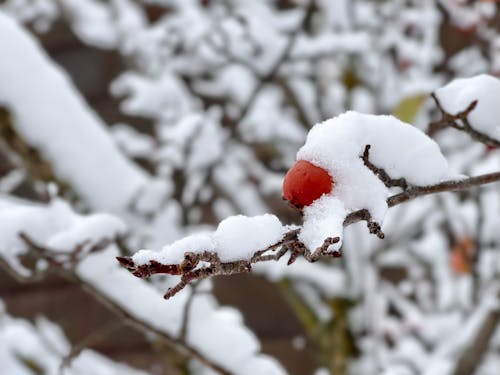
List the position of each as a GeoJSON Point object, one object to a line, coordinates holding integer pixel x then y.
{"type": "Point", "coordinates": [460, 122]}
{"type": "Point", "coordinates": [190, 270]}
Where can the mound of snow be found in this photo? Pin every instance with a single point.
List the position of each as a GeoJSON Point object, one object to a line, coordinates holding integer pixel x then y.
{"type": "Point", "coordinates": [337, 145]}
{"type": "Point", "coordinates": [236, 238]}
{"type": "Point", "coordinates": [458, 94]}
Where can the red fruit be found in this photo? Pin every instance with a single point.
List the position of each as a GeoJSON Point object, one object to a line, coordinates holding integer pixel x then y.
{"type": "Point", "coordinates": [304, 183]}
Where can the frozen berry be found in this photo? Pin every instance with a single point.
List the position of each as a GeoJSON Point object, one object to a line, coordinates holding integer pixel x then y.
{"type": "Point", "coordinates": [306, 182]}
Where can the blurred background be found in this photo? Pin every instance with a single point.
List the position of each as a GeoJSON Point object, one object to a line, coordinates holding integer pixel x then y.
{"type": "Point", "coordinates": [211, 99]}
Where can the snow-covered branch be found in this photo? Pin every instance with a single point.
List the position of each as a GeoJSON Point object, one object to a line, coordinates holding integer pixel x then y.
{"type": "Point", "coordinates": [82, 249]}
{"type": "Point", "coordinates": [211, 265]}
{"type": "Point", "coordinates": [313, 185]}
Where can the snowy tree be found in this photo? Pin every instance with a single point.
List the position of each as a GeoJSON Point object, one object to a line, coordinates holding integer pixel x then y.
{"type": "Point", "coordinates": [397, 175]}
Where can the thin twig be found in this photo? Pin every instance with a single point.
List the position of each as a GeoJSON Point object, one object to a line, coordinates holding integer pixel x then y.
{"type": "Point", "coordinates": [187, 310]}
{"type": "Point", "coordinates": [460, 121]}
{"type": "Point", "coordinates": [381, 173]}
{"type": "Point", "coordinates": [445, 186]}
{"type": "Point", "coordinates": [277, 65]}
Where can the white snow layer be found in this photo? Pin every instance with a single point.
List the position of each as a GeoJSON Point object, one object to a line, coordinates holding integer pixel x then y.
{"type": "Point", "coordinates": [337, 145]}
{"type": "Point", "coordinates": [236, 238]}
{"type": "Point", "coordinates": [456, 96]}
{"type": "Point", "coordinates": [100, 271]}
{"type": "Point", "coordinates": [52, 116]}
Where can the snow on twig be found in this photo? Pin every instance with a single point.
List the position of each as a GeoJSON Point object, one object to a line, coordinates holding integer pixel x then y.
{"type": "Point", "coordinates": [288, 244]}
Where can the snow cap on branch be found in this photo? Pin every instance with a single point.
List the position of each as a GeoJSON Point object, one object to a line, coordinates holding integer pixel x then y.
{"type": "Point", "coordinates": [236, 238]}
{"type": "Point", "coordinates": [485, 89]}
{"type": "Point", "coordinates": [338, 146]}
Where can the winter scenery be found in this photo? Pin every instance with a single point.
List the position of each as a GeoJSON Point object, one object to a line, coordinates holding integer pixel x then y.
{"type": "Point", "coordinates": [260, 187]}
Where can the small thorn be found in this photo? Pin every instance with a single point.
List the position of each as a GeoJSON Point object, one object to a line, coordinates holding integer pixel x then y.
{"type": "Point", "coordinates": [125, 261]}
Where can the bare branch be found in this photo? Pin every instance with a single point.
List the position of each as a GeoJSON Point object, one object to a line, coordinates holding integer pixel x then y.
{"type": "Point", "coordinates": [473, 354]}
{"type": "Point", "coordinates": [460, 122]}
{"type": "Point", "coordinates": [34, 276]}
{"type": "Point", "coordinates": [445, 186]}
{"type": "Point", "coordinates": [66, 258]}
{"type": "Point", "coordinates": [276, 67]}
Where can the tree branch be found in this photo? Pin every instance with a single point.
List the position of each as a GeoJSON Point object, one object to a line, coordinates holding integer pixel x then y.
{"type": "Point", "coordinates": [180, 346]}
{"type": "Point", "coordinates": [461, 123]}
{"type": "Point", "coordinates": [472, 355]}
{"type": "Point", "coordinates": [445, 186]}
{"type": "Point", "coordinates": [381, 173]}
{"type": "Point", "coordinates": [263, 79]}
{"type": "Point", "coordinates": [290, 242]}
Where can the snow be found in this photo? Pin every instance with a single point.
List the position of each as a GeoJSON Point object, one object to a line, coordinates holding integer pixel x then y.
{"type": "Point", "coordinates": [53, 117]}
{"type": "Point", "coordinates": [325, 278]}
{"type": "Point", "coordinates": [44, 345]}
{"type": "Point", "coordinates": [207, 320]}
{"type": "Point", "coordinates": [95, 226]}
{"type": "Point", "coordinates": [330, 43]}
{"type": "Point", "coordinates": [336, 145]}
{"type": "Point", "coordinates": [389, 49]}
{"type": "Point", "coordinates": [174, 253]}
{"type": "Point", "coordinates": [458, 94]}
{"type": "Point", "coordinates": [236, 238]}
{"type": "Point", "coordinates": [322, 218]}
{"type": "Point", "coordinates": [55, 226]}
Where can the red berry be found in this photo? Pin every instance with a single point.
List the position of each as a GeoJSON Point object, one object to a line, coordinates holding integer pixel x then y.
{"type": "Point", "coordinates": [304, 183]}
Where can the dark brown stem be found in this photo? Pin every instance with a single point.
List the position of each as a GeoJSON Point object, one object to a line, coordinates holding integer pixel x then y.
{"type": "Point", "coordinates": [460, 121]}
{"type": "Point", "coordinates": [381, 173]}
{"type": "Point", "coordinates": [445, 186]}
{"type": "Point", "coordinates": [473, 354]}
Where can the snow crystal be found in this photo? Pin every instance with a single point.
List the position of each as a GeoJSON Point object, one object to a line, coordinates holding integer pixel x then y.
{"type": "Point", "coordinates": [236, 238]}
{"type": "Point", "coordinates": [458, 94]}
{"type": "Point", "coordinates": [337, 144]}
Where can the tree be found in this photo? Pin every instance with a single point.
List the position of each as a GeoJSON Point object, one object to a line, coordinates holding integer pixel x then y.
{"type": "Point", "coordinates": [229, 90]}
